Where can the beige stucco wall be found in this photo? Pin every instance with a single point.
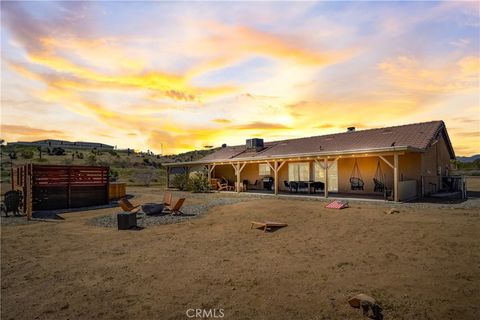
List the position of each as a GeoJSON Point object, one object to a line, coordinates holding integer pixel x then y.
{"type": "Point", "coordinates": [435, 161]}
{"type": "Point", "coordinates": [367, 167]}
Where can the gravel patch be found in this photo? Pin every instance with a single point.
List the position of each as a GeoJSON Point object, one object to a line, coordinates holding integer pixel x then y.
{"type": "Point", "coordinates": [15, 220]}
{"type": "Point", "coordinates": [190, 212]}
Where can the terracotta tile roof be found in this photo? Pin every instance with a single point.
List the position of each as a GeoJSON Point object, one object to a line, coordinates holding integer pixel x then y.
{"type": "Point", "coordinates": [414, 136]}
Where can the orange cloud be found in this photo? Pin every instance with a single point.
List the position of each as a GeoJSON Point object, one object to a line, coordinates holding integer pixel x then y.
{"type": "Point", "coordinates": [241, 42]}
{"type": "Point", "coordinates": [222, 121]}
{"type": "Point", "coordinates": [260, 125]}
{"type": "Point", "coordinates": [12, 132]}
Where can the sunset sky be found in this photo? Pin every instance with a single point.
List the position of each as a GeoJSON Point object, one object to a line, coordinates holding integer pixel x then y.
{"type": "Point", "coordinates": [185, 75]}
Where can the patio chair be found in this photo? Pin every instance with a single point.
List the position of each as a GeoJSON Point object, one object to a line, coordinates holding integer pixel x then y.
{"type": "Point", "coordinates": [253, 186]}
{"type": "Point", "coordinates": [12, 202]}
{"type": "Point", "coordinates": [356, 183]}
{"type": "Point", "coordinates": [224, 186]}
{"type": "Point", "coordinates": [318, 185]}
{"type": "Point", "coordinates": [175, 209]}
{"type": "Point", "coordinates": [302, 185]}
{"type": "Point", "coordinates": [291, 185]}
{"type": "Point", "coordinates": [379, 185]}
{"type": "Point", "coordinates": [128, 207]}
{"type": "Point", "coordinates": [167, 199]}
{"type": "Point", "coordinates": [224, 180]}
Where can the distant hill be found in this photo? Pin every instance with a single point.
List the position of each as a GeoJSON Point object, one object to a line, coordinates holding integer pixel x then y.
{"type": "Point", "coordinates": [469, 159]}
{"type": "Point", "coordinates": [130, 166]}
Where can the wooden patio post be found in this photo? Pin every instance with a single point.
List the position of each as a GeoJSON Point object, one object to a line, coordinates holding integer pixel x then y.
{"type": "Point", "coordinates": [326, 177]}
{"type": "Point", "coordinates": [237, 172]}
{"type": "Point", "coordinates": [395, 178]}
{"type": "Point", "coordinates": [275, 179]}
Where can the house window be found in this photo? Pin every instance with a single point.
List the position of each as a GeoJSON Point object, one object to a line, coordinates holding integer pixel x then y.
{"type": "Point", "coordinates": [319, 173]}
{"type": "Point", "coordinates": [263, 169]}
{"type": "Point", "coordinates": [299, 171]}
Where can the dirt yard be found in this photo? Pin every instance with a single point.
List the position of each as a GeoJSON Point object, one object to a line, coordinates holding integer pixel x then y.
{"type": "Point", "coordinates": [421, 263]}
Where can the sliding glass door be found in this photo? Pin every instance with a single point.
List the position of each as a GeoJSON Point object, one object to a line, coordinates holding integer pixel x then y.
{"type": "Point", "coordinates": [299, 171]}
{"type": "Point", "coordinates": [332, 175]}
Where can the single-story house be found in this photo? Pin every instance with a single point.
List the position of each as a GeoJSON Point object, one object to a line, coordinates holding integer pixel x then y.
{"type": "Point", "coordinates": [400, 162]}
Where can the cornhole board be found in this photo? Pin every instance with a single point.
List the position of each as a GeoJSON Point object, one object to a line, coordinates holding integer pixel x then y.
{"type": "Point", "coordinates": [267, 225]}
{"type": "Point", "coordinates": [337, 204]}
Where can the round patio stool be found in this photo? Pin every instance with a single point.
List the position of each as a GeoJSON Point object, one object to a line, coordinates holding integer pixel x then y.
{"type": "Point", "coordinates": [152, 208]}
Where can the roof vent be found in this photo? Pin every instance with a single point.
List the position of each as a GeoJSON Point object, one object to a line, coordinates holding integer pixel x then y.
{"type": "Point", "coordinates": [351, 129]}
{"type": "Point", "coordinates": [254, 144]}
{"type": "Point", "coordinates": [224, 145]}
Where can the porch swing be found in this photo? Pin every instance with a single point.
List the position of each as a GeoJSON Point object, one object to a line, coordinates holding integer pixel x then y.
{"type": "Point", "coordinates": [356, 182]}
{"type": "Point", "coordinates": [379, 179]}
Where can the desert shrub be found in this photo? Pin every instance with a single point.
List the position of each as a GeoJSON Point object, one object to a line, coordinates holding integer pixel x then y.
{"type": "Point", "coordinates": [91, 160]}
{"type": "Point", "coordinates": [103, 163]}
{"type": "Point", "coordinates": [67, 161]}
{"type": "Point", "coordinates": [121, 163]}
{"type": "Point", "coordinates": [113, 153]}
{"type": "Point", "coordinates": [113, 175]}
{"type": "Point", "coordinates": [198, 183]}
{"type": "Point", "coordinates": [179, 182]}
{"type": "Point", "coordinates": [56, 151]}
{"type": "Point", "coordinates": [27, 154]}
{"type": "Point", "coordinates": [145, 177]}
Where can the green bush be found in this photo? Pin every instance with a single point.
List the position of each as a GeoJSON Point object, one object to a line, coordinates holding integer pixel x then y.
{"type": "Point", "coordinates": [113, 175]}
{"type": "Point", "coordinates": [27, 154]}
{"type": "Point", "coordinates": [180, 182]}
{"type": "Point", "coordinates": [199, 183]}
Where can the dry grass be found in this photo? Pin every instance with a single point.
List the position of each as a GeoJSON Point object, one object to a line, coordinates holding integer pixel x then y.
{"type": "Point", "coordinates": [422, 263]}
{"type": "Point", "coordinates": [473, 183]}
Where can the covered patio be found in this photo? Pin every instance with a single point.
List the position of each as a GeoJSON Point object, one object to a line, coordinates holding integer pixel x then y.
{"type": "Point", "coordinates": [354, 175]}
